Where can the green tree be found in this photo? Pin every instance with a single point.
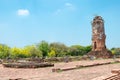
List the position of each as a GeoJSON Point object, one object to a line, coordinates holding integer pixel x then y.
{"type": "Point", "coordinates": [4, 51]}
{"type": "Point", "coordinates": [59, 48]}
{"type": "Point", "coordinates": [52, 53]}
{"type": "Point", "coordinates": [115, 51]}
{"type": "Point", "coordinates": [76, 50]}
{"type": "Point", "coordinates": [32, 51]}
{"type": "Point", "coordinates": [43, 46]}
{"type": "Point", "coordinates": [88, 48]}
{"type": "Point", "coordinates": [16, 53]}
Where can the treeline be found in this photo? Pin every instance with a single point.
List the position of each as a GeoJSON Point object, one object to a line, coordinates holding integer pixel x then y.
{"type": "Point", "coordinates": [43, 50]}
{"type": "Point", "coordinates": [116, 51]}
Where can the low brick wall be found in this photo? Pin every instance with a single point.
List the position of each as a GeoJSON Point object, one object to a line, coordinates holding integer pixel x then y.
{"type": "Point", "coordinates": [82, 66]}
{"type": "Point", "coordinates": [27, 65]}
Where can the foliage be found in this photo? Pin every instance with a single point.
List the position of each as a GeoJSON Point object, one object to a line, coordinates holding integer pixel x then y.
{"type": "Point", "coordinates": [77, 50]}
{"type": "Point", "coordinates": [88, 48]}
{"type": "Point", "coordinates": [4, 51]}
{"type": "Point", "coordinates": [32, 51]}
{"type": "Point", "coordinates": [26, 52]}
{"type": "Point", "coordinates": [115, 51]}
{"type": "Point", "coordinates": [52, 53]}
{"type": "Point", "coordinates": [59, 48]}
{"type": "Point", "coordinates": [16, 52]}
{"type": "Point", "coordinates": [44, 47]}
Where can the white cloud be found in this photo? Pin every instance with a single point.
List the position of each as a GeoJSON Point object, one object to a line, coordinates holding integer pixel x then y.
{"type": "Point", "coordinates": [23, 12]}
{"type": "Point", "coordinates": [65, 8]}
{"type": "Point", "coordinates": [70, 6]}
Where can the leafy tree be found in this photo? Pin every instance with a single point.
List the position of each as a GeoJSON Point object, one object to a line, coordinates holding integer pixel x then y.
{"type": "Point", "coordinates": [52, 53]}
{"type": "Point", "coordinates": [4, 51]}
{"type": "Point", "coordinates": [44, 47]}
{"type": "Point", "coordinates": [32, 51]}
{"type": "Point", "coordinates": [88, 48]}
{"type": "Point", "coordinates": [76, 50]}
{"type": "Point", "coordinates": [115, 51]}
{"type": "Point", "coordinates": [59, 48]}
{"type": "Point", "coordinates": [16, 53]}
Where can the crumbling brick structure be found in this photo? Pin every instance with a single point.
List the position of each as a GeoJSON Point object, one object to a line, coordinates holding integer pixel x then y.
{"type": "Point", "coordinates": [98, 39]}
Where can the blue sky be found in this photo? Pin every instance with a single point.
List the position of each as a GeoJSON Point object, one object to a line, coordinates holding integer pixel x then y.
{"type": "Point", "coordinates": [26, 22]}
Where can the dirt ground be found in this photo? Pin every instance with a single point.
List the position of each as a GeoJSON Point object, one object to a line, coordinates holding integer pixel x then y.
{"type": "Point", "coordinates": [90, 73]}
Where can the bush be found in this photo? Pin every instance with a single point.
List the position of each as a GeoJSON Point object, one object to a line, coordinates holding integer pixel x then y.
{"type": "Point", "coordinates": [26, 52]}
{"type": "Point", "coordinates": [17, 53]}
{"type": "Point", "coordinates": [52, 53]}
{"type": "Point", "coordinates": [4, 51]}
{"type": "Point", "coordinates": [115, 51]}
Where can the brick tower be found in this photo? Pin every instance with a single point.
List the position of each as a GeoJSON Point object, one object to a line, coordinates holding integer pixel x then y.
{"type": "Point", "coordinates": [98, 39]}
{"type": "Point", "coordinates": [98, 34]}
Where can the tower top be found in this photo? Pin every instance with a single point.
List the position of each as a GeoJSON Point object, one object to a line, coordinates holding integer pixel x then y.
{"type": "Point", "coordinates": [98, 19]}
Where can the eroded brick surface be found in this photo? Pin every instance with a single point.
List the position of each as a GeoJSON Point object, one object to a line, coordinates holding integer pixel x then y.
{"type": "Point", "coordinates": [98, 39]}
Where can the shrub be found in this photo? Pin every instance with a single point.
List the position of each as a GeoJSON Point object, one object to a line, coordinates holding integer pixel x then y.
{"type": "Point", "coordinates": [33, 51]}
{"type": "Point", "coordinates": [52, 53]}
{"type": "Point", "coordinates": [17, 53]}
{"type": "Point", "coordinates": [4, 51]}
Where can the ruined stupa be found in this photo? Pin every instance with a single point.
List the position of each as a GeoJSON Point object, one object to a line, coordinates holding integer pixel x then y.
{"type": "Point", "coordinates": [98, 39]}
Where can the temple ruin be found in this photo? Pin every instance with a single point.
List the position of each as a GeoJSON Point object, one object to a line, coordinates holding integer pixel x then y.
{"type": "Point", "coordinates": [98, 39]}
